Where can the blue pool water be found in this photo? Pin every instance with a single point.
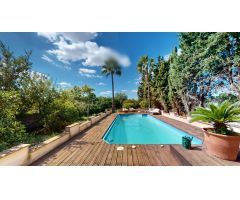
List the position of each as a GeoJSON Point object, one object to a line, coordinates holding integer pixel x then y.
{"type": "Point", "coordinates": [143, 129]}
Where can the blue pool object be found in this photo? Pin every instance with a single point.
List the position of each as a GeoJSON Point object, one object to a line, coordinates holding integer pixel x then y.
{"type": "Point", "coordinates": [143, 129]}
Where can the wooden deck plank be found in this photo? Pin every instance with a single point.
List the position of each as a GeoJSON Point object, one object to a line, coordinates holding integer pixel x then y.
{"type": "Point", "coordinates": [119, 157]}
{"type": "Point", "coordinates": [109, 157]}
{"type": "Point", "coordinates": [153, 161]}
{"type": "Point", "coordinates": [129, 156]}
{"type": "Point", "coordinates": [114, 156]}
{"type": "Point", "coordinates": [135, 157]}
{"type": "Point", "coordinates": [89, 149]}
{"type": "Point", "coordinates": [102, 157]}
{"type": "Point", "coordinates": [125, 156]}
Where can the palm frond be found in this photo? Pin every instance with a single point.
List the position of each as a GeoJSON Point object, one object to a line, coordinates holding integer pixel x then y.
{"type": "Point", "coordinates": [219, 115]}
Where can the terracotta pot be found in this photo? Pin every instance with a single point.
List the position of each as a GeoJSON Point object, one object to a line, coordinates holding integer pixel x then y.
{"type": "Point", "coordinates": [221, 146]}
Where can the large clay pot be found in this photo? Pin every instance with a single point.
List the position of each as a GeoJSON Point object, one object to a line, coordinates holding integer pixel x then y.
{"type": "Point", "coordinates": [221, 146]}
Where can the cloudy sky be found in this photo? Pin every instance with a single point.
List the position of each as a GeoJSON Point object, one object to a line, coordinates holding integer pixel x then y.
{"type": "Point", "coordinates": [76, 58]}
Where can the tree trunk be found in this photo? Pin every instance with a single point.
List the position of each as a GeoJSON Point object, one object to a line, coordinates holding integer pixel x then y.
{"type": "Point", "coordinates": [185, 102]}
{"type": "Point", "coordinates": [149, 101]}
{"type": "Point", "coordinates": [202, 96]}
{"type": "Point", "coordinates": [88, 110]}
{"type": "Point", "coordinates": [113, 104]}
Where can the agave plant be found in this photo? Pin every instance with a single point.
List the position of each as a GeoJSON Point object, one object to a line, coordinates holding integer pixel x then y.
{"type": "Point", "coordinates": [219, 115]}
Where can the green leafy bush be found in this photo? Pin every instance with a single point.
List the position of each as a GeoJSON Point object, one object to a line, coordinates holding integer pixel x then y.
{"type": "Point", "coordinates": [130, 103]}
{"type": "Point", "coordinates": [12, 132]}
{"type": "Point", "coordinates": [143, 104]}
{"type": "Point", "coordinates": [61, 113]}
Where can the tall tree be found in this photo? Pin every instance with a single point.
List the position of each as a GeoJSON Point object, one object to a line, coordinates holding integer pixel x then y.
{"type": "Point", "coordinates": [161, 83]}
{"type": "Point", "coordinates": [12, 69]}
{"type": "Point", "coordinates": [145, 67]}
{"type": "Point", "coordinates": [37, 92]}
{"type": "Point", "coordinates": [88, 96]}
{"type": "Point", "coordinates": [223, 55]}
{"type": "Point", "coordinates": [111, 68]}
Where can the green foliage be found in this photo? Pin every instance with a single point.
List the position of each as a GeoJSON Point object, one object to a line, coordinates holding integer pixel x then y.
{"type": "Point", "coordinates": [85, 95]}
{"type": "Point", "coordinates": [12, 69]}
{"type": "Point", "coordinates": [119, 99]}
{"type": "Point", "coordinates": [160, 84]}
{"type": "Point", "coordinates": [37, 93]}
{"type": "Point", "coordinates": [143, 104]}
{"type": "Point", "coordinates": [204, 64]}
{"type": "Point", "coordinates": [12, 132]}
{"type": "Point", "coordinates": [219, 115]}
{"type": "Point", "coordinates": [103, 103]}
{"type": "Point", "coordinates": [225, 97]}
{"type": "Point", "coordinates": [62, 112]}
{"type": "Point", "coordinates": [111, 67]}
{"type": "Point", "coordinates": [130, 103]}
{"type": "Point", "coordinates": [145, 67]}
{"type": "Point", "coordinates": [28, 98]}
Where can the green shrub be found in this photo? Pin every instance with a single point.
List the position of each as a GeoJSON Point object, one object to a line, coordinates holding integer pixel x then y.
{"type": "Point", "coordinates": [130, 103]}
{"type": "Point", "coordinates": [12, 132]}
{"type": "Point", "coordinates": [143, 104]}
{"type": "Point", "coordinates": [61, 113]}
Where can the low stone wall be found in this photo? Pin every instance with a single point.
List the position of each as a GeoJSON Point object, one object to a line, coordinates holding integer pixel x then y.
{"type": "Point", "coordinates": [24, 154]}
{"type": "Point", "coordinates": [18, 155]}
{"type": "Point", "coordinates": [73, 129]}
{"type": "Point", "coordinates": [47, 146]}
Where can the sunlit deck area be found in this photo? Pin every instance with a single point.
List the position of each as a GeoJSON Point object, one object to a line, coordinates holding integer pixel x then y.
{"type": "Point", "coordinates": [88, 149]}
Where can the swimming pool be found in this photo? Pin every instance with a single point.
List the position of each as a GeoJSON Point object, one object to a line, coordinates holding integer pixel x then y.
{"type": "Point", "coordinates": [143, 129]}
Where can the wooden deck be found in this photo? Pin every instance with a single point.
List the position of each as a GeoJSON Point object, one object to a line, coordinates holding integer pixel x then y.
{"type": "Point", "coordinates": [88, 149]}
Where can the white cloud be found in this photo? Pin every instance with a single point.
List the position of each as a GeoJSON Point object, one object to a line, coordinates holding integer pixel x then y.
{"type": "Point", "coordinates": [71, 47]}
{"type": "Point", "coordinates": [90, 73]}
{"type": "Point", "coordinates": [46, 58]}
{"type": "Point", "coordinates": [70, 36]}
{"type": "Point", "coordinates": [108, 92]}
{"type": "Point", "coordinates": [64, 85]}
{"type": "Point", "coordinates": [52, 36]}
{"type": "Point", "coordinates": [101, 83]}
{"type": "Point", "coordinates": [134, 91]}
{"type": "Point", "coordinates": [86, 71]}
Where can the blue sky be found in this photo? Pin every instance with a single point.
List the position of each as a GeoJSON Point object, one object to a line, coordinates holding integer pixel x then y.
{"type": "Point", "coordinates": [75, 58]}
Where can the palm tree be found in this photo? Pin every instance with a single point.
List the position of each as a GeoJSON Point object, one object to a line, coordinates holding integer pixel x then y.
{"type": "Point", "coordinates": [144, 66]}
{"type": "Point", "coordinates": [112, 67]}
{"type": "Point", "coordinates": [219, 115]}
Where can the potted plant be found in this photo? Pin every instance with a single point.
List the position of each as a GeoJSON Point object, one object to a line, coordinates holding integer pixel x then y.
{"type": "Point", "coordinates": [220, 140]}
